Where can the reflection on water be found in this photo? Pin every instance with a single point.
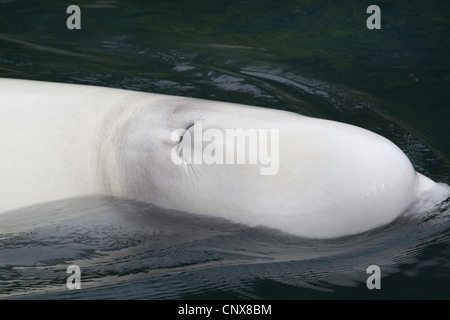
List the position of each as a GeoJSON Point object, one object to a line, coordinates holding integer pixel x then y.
{"type": "Point", "coordinates": [37, 47]}
{"type": "Point", "coordinates": [307, 57]}
{"type": "Point", "coordinates": [128, 249]}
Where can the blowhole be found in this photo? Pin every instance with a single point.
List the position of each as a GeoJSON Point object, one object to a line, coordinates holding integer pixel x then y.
{"type": "Point", "coordinates": [189, 126]}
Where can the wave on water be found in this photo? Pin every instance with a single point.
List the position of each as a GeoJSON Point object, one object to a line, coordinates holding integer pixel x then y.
{"type": "Point", "coordinates": [129, 249]}
{"type": "Point", "coordinates": [132, 250]}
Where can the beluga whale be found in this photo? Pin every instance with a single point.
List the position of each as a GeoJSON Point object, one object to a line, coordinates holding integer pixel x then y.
{"type": "Point", "coordinates": [256, 166]}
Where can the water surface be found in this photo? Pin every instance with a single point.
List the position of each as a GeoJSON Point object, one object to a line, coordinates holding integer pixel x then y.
{"type": "Point", "coordinates": [315, 58]}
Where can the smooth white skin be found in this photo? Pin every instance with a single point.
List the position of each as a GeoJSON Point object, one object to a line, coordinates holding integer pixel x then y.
{"type": "Point", "coordinates": [61, 140]}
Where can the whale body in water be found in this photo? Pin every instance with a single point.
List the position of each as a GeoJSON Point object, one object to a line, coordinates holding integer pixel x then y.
{"type": "Point", "coordinates": [305, 176]}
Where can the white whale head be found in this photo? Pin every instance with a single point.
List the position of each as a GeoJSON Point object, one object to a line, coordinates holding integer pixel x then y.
{"type": "Point", "coordinates": [312, 177]}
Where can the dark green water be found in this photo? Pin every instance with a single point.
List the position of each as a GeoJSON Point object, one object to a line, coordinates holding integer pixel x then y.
{"type": "Point", "coordinates": [312, 57]}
